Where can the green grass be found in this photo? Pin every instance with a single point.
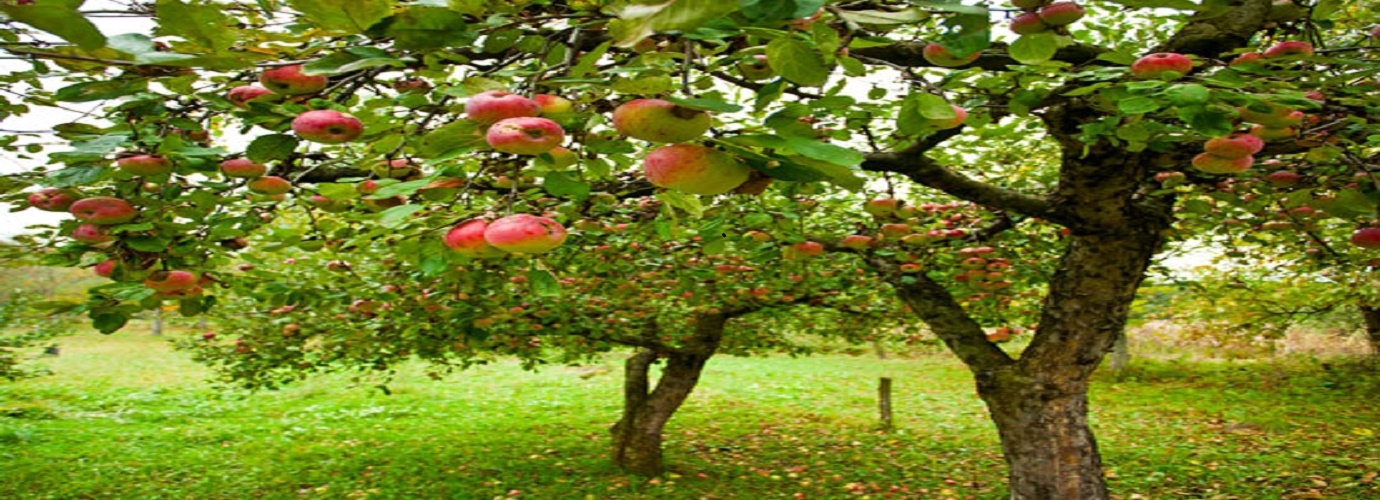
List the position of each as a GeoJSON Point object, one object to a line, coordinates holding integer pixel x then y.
{"type": "Point", "coordinates": [125, 417]}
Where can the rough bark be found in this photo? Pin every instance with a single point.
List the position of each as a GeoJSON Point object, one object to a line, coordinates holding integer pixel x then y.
{"type": "Point", "coordinates": [637, 436]}
{"type": "Point", "coordinates": [1371, 314]}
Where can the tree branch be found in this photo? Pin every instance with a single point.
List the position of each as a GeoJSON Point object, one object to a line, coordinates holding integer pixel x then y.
{"type": "Point", "coordinates": [909, 54]}
{"type": "Point", "coordinates": [913, 164]}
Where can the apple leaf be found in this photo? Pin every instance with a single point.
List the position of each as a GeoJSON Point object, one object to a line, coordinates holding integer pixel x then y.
{"type": "Point", "coordinates": [400, 189]}
{"type": "Point", "coordinates": [686, 202]}
{"type": "Point", "coordinates": [1035, 48]}
{"type": "Point", "coordinates": [884, 17]}
{"type": "Point", "coordinates": [73, 176]}
{"type": "Point", "coordinates": [543, 283]}
{"type": "Point", "coordinates": [349, 60]}
{"type": "Point", "coordinates": [271, 147]}
{"type": "Point", "coordinates": [203, 24]}
{"type": "Point", "coordinates": [100, 90]}
{"type": "Point", "coordinates": [838, 174]}
{"type": "Point", "coordinates": [560, 184]}
{"type": "Point", "coordinates": [918, 109]}
{"type": "Point", "coordinates": [421, 28]}
{"type": "Point", "coordinates": [395, 217]}
{"type": "Point", "coordinates": [344, 18]}
{"type": "Point", "coordinates": [59, 17]}
{"type": "Point", "coordinates": [148, 244]}
{"type": "Point", "coordinates": [455, 135]}
{"type": "Point", "coordinates": [797, 61]}
{"type": "Point", "coordinates": [837, 155]}
{"type": "Point", "coordinates": [588, 63]}
{"type": "Point", "coordinates": [1138, 105]}
{"type": "Point", "coordinates": [952, 6]}
{"type": "Point", "coordinates": [108, 322]}
{"type": "Point", "coordinates": [765, 11]}
{"type": "Point", "coordinates": [638, 21]}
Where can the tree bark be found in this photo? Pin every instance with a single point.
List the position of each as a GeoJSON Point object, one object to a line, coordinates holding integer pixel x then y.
{"type": "Point", "coordinates": [637, 436]}
{"type": "Point", "coordinates": [1371, 314]}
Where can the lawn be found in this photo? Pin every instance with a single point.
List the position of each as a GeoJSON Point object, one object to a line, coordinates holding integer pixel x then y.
{"type": "Point", "coordinates": [126, 417]}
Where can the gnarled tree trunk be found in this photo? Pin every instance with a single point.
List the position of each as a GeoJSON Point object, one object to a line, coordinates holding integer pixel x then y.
{"type": "Point", "coordinates": [637, 435]}
{"type": "Point", "coordinates": [1371, 314]}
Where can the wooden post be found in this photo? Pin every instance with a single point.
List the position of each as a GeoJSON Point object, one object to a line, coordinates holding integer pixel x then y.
{"type": "Point", "coordinates": [158, 321]}
{"type": "Point", "coordinates": [884, 401]}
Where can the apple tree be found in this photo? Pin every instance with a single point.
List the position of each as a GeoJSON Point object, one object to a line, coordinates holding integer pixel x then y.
{"type": "Point", "coordinates": [1057, 124]}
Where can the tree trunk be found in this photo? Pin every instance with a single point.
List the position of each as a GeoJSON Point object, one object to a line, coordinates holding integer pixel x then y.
{"type": "Point", "coordinates": [637, 435]}
{"type": "Point", "coordinates": [1045, 436]}
{"type": "Point", "coordinates": [1372, 316]}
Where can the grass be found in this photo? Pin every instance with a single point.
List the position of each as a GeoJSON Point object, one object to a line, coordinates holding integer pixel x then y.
{"type": "Point", "coordinates": [126, 417]}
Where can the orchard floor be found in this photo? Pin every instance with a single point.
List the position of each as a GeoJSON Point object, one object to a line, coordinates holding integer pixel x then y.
{"type": "Point", "coordinates": [126, 417]}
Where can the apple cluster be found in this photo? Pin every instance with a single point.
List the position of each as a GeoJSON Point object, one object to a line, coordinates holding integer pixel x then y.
{"type": "Point", "coordinates": [513, 123]}
{"type": "Point", "coordinates": [1228, 155]}
{"type": "Point", "coordinates": [1041, 16]}
{"type": "Point", "coordinates": [324, 126]}
{"type": "Point", "coordinates": [519, 233]}
{"type": "Point", "coordinates": [691, 168]}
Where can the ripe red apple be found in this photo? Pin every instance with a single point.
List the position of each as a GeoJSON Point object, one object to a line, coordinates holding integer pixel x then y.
{"type": "Point", "coordinates": [53, 199]}
{"type": "Point", "coordinates": [1375, 31]}
{"type": "Point", "coordinates": [1366, 237]}
{"type": "Point", "coordinates": [553, 104]}
{"type": "Point", "coordinates": [1028, 24]}
{"type": "Point", "coordinates": [107, 268]}
{"type": "Point", "coordinates": [327, 126]}
{"type": "Point", "coordinates": [1235, 146]}
{"type": "Point", "coordinates": [807, 249]}
{"type": "Point", "coordinates": [525, 135]}
{"type": "Point", "coordinates": [960, 116]}
{"type": "Point", "coordinates": [523, 233]}
{"type": "Point", "coordinates": [856, 242]}
{"type": "Point", "coordinates": [756, 68]}
{"type": "Point", "coordinates": [655, 120]}
{"type": "Point", "coordinates": [1161, 66]}
{"type": "Point", "coordinates": [1289, 50]}
{"type": "Point", "coordinates": [468, 239]}
{"type": "Point", "coordinates": [910, 268]}
{"type": "Point", "coordinates": [242, 168]}
{"type": "Point", "coordinates": [240, 96]}
{"type": "Point", "coordinates": [1247, 59]}
{"type": "Point", "coordinates": [289, 80]}
{"type": "Point", "coordinates": [1061, 13]}
{"type": "Point", "coordinates": [171, 281]}
{"type": "Point", "coordinates": [694, 169]}
{"type": "Point", "coordinates": [937, 55]}
{"type": "Point", "coordinates": [1213, 164]}
{"type": "Point", "coordinates": [1283, 178]}
{"type": "Point", "coordinates": [494, 105]}
{"type": "Point", "coordinates": [895, 230]}
{"type": "Point", "coordinates": [103, 210]}
{"type": "Point", "coordinates": [269, 185]}
{"type": "Point", "coordinates": [91, 234]}
{"type": "Point", "coordinates": [144, 165]}
{"type": "Point", "coordinates": [367, 187]}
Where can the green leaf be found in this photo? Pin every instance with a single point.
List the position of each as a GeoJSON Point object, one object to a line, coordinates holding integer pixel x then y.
{"type": "Point", "coordinates": [1138, 105]}
{"type": "Point", "coordinates": [638, 21]}
{"type": "Point", "coordinates": [1035, 48]}
{"type": "Point", "coordinates": [148, 244]}
{"type": "Point", "coordinates": [452, 136]}
{"type": "Point", "coordinates": [400, 189]}
{"type": "Point", "coordinates": [1186, 94]}
{"type": "Point", "coordinates": [684, 201]}
{"type": "Point", "coordinates": [765, 11]}
{"type": "Point", "coordinates": [838, 174]}
{"type": "Point", "coordinates": [205, 24]}
{"type": "Point", "coordinates": [59, 17]}
{"type": "Point", "coordinates": [100, 90]}
{"type": "Point", "coordinates": [395, 217]}
{"type": "Point", "coordinates": [344, 18]}
{"type": "Point", "coordinates": [824, 151]}
{"type": "Point", "coordinates": [952, 6]}
{"type": "Point", "coordinates": [108, 322]}
{"type": "Point", "coordinates": [918, 109]}
{"type": "Point", "coordinates": [885, 17]}
{"type": "Point", "coordinates": [543, 283]}
{"type": "Point", "coordinates": [74, 176]}
{"type": "Point", "coordinates": [589, 62]}
{"type": "Point", "coordinates": [561, 184]}
{"type": "Point", "coordinates": [271, 147]}
{"type": "Point", "coordinates": [797, 61]}
{"type": "Point", "coordinates": [422, 28]}
{"type": "Point", "coordinates": [353, 59]}
{"type": "Point", "coordinates": [1207, 121]}
{"type": "Point", "coordinates": [713, 105]}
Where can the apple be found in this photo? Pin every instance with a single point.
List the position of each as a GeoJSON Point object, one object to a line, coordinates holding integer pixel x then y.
{"type": "Point", "coordinates": [396, 168]}
{"type": "Point", "coordinates": [559, 158]}
{"type": "Point", "coordinates": [91, 234]}
{"type": "Point", "coordinates": [327, 126]}
{"type": "Point", "coordinates": [525, 135]}
{"type": "Point", "coordinates": [960, 116]}
{"type": "Point", "coordinates": [1283, 178]}
{"type": "Point", "coordinates": [411, 85]}
{"type": "Point", "coordinates": [1289, 50]}
{"type": "Point", "coordinates": [1028, 24]}
{"type": "Point", "coordinates": [895, 230]}
{"type": "Point", "coordinates": [553, 104]}
{"type": "Point", "coordinates": [289, 80]}
{"type": "Point", "coordinates": [325, 204]}
{"type": "Point", "coordinates": [144, 165]}
{"type": "Point", "coordinates": [523, 233]}
{"type": "Point", "coordinates": [442, 189]}
{"type": "Point", "coordinates": [656, 120]}
{"type": "Point", "coordinates": [494, 105]}
{"type": "Point", "coordinates": [882, 207]}
{"type": "Point", "coordinates": [1273, 133]}
{"type": "Point", "coordinates": [755, 68]}
{"type": "Point", "coordinates": [103, 210]}
{"type": "Point", "coordinates": [1170, 179]}
{"type": "Point", "coordinates": [856, 242]}
{"type": "Point", "coordinates": [1276, 117]}
{"type": "Point", "coordinates": [367, 187]}
{"type": "Point", "coordinates": [240, 96]}
{"type": "Point", "coordinates": [910, 268]}
{"type": "Point", "coordinates": [1366, 237]}
{"type": "Point", "coordinates": [1248, 58]}
{"type": "Point", "coordinates": [1235, 146]}
{"type": "Point", "coordinates": [242, 168]}
{"type": "Point", "coordinates": [694, 169]}
{"type": "Point", "coordinates": [1061, 13]}
{"type": "Point", "coordinates": [758, 236]}
{"type": "Point", "coordinates": [1213, 164]}
{"type": "Point", "coordinates": [53, 199]}
{"type": "Point", "coordinates": [107, 268]}
{"type": "Point", "coordinates": [269, 185]}
{"type": "Point", "coordinates": [1029, 5]}
{"type": "Point", "coordinates": [937, 55]}
{"type": "Point", "coordinates": [468, 239]}
{"type": "Point", "coordinates": [171, 281]}
{"type": "Point", "coordinates": [1161, 66]}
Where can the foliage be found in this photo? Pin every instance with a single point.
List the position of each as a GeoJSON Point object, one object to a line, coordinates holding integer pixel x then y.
{"type": "Point", "coordinates": [23, 327]}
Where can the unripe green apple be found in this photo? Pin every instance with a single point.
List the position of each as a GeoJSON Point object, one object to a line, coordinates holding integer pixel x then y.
{"type": "Point", "coordinates": [1236, 146]}
{"type": "Point", "coordinates": [1213, 164]}
{"type": "Point", "coordinates": [937, 55]}
{"type": "Point", "coordinates": [694, 169]}
{"type": "Point", "coordinates": [656, 120]}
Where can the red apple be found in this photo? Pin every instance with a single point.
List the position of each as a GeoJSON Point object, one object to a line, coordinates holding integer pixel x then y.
{"type": "Point", "coordinates": [937, 55]}
{"type": "Point", "coordinates": [327, 126]}
{"type": "Point", "coordinates": [144, 165]}
{"type": "Point", "coordinates": [242, 168]}
{"type": "Point", "coordinates": [694, 169]}
{"type": "Point", "coordinates": [1247, 59]}
{"type": "Point", "coordinates": [895, 230]}
{"type": "Point", "coordinates": [756, 68]}
{"type": "Point", "coordinates": [1235, 146]}
{"type": "Point", "coordinates": [553, 104]}
{"type": "Point", "coordinates": [1366, 237]}
{"type": "Point", "coordinates": [1289, 50]}
{"type": "Point", "coordinates": [53, 199]}
{"type": "Point", "coordinates": [1283, 178]}
{"type": "Point", "coordinates": [289, 80]}
{"type": "Point", "coordinates": [107, 268]}
{"type": "Point", "coordinates": [910, 268]}
{"type": "Point", "coordinates": [856, 242]}
{"type": "Point", "coordinates": [523, 233]}
{"type": "Point", "coordinates": [1273, 133]}
{"type": "Point", "coordinates": [367, 187]}
{"type": "Point", "coordinates": [525, 135]}
{"type": "Point", "coordinates": [397, 168]}
{"type": "Point", "coordinates": [269, 185]}
{"type": "Point", "coordinates": [806, 249]}
{"type": "Point", "coordinates": [468, 239]}
{"type": "Point", "coordinates": [1028, 24]}
{"type": "Point", "coordinates": [1029, 5]}
{"type": "Point", "coordinates": [1061, 13]}
{"type": "Point", "coordinates": [103, 210]}
{"type": "Point", "coordinates": [960, 116]}
{"type": "Point", "coordinates": [171, 281]}
{"type": "Point", "coordinates": [1213, 164]}
{"type": "Point", "coordinates": [240, 96]}
{"type": "Point", "coordinates": [494, 105]}
{"type": "Point", "coordinates": [1161, 66]}
{"type": "Point", "coordinates": [655, 120]}
{"type": "Point", "coordinates": [91, 234]}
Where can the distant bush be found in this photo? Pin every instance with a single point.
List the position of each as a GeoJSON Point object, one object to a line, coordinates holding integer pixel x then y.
{"type": "Point", "coordinates": [23, 331]}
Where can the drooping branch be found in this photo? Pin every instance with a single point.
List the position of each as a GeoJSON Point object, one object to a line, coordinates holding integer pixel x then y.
{"type": "Point", "coordinates": [995, 58]}
{"type": "Point", "coordinates": [913, 164]}
{"type": "Point", "coordinates": [951, 323]}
